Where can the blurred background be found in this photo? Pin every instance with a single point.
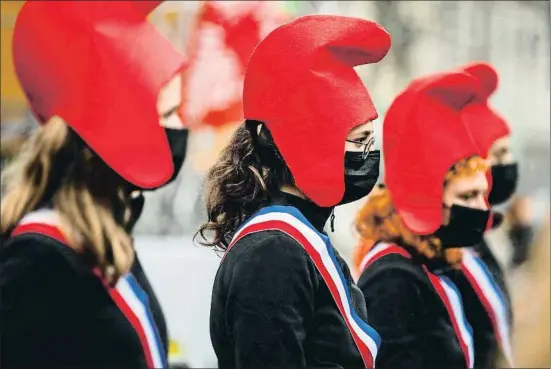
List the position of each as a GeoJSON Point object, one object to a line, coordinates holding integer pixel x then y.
{"type": "Point", "coordinates": [428, 36]}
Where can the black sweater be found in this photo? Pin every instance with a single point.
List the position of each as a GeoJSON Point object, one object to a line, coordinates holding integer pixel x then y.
{"type": "Point", "coordinates": [271, 307]}
{"type": "Point", "coordinates": [415, 327]}
{"type": "Point", "coordinates": [486, 345]}
{"type": "Point", "coordinates": [55, 313]}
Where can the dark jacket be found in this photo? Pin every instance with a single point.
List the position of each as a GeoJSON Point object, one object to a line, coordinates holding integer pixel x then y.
{"type": "Point", "coordinates": [56, 313]}
{"type": "Point", "coordinates": [271, 307]}
{"type": "Point", "coordinates": [414, 324]}
{"type": "Point", "coordinates": [486, 345]}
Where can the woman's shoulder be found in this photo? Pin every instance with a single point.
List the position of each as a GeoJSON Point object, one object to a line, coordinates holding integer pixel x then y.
{"type": "Point", "coordinates": [271, 245]}
{"type": "Point", "coordinates": [268, 255]}
{"type": "Point", "coordinates": [390, 263]}
{"type": "Point", "coordinates": [39, 255]}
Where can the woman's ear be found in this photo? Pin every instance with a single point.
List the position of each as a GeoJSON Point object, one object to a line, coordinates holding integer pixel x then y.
{"type": "Point", "coordinates": [259, 128]}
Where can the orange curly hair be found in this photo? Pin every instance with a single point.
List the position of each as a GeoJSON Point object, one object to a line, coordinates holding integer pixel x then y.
{"type": "Point", "coordinates": [379, 221]}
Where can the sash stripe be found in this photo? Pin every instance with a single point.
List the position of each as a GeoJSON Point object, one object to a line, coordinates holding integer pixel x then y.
{"type": "Point", "coordinates": [492, 298]}
{"type": "Point", "coordinates": [452, 301]}
{"type": "Point", "coordinates": [42, 221]}
{"type": "Point", "coordinates": [43, 229]}
{"type": "Point", "coordinates": [290, 222]}
{"type": "Point", "coordinates": [129, 297]}
{"type": "Point", "coordinates": [380, 250]}
{"type": "Point", "coordinates": [135, 309]}
{"type": "Point", "coordinates": [447, 291]}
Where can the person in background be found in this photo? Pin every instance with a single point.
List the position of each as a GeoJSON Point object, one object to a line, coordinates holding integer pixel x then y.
{"type": "Point", "coordinates": [532, 304]}
{"type": "Point", "coordinates": [416, 230]}
{"type": "Point", "coordinates": [102, 83]}
{"type": "Point", "coordinates": [492, 133]}
{"type": "Point", "coordinates": [283, 297]}
{"type": "Point", "coordinates": [521, 230]}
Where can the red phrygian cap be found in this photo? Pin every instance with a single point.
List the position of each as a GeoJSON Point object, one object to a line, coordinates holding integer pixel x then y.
{"type": "Point", "coordinates": [423, 137]}
{"type": "Point", "coordinates": [485, 124]}
{"type": "Point", "coordinates": [300, 81]}
{"type": "Point", "coordinates": [100, 65]}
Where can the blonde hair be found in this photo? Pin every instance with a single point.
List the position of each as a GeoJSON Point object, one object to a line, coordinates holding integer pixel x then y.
{"type": "Point", "coordinates": [55, 166]}
{"type": "Point", "coordinates": [378, 220]}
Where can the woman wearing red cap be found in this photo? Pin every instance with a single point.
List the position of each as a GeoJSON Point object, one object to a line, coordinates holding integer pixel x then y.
{"type": "Point", "coordinates": [492, 134]}
{"type": "Point", "coordinates": [283, 297]}
{"type": "Point", "coordinates": [413, 269]}
{"type": "Point", "coordinates": [73, 291]}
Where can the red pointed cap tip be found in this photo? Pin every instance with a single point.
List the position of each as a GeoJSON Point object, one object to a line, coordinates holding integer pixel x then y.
{"type": "Point", "coordinates": [311, 43]}
{"type": "Point", "coordinates": [454, 90]}
{"type": "Point", "coordinates": [365, 41]}
{"type": "Point", "coordinates": [486, 75]}
{"type": "Point", "coordinates": [485, 124]}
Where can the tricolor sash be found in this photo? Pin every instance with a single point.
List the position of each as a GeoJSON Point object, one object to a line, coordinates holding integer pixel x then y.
{"type": "Point", "coordinates": [129, 297]}
{"type": "Point", "coordinates": [492, 298]}
{"type": "Point", "coordinates": [446, 290]}
{"type": "Point", "coordinates": [290, 221]}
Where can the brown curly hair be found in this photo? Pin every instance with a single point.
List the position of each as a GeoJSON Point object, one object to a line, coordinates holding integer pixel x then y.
{"type": "Point", "coordinates": [250, 170]}
{"type": "Point", "coordinates": [379, 221]}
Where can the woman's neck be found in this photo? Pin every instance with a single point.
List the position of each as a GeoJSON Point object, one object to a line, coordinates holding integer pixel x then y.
{"type": "Point", "coordinates": [315, 214]}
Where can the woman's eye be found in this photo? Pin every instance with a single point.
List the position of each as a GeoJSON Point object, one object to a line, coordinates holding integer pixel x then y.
{"type": "Point", "coordinates": [172, 121]}
{"type": "Point", "coordinates": [467, 197]}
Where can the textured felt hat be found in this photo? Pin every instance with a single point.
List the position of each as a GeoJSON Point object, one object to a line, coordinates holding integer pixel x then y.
{"type": "Point", "coordinates": [485, 124]}
{"type": "Point", "coordinates": [100, 65]}
{"type": "Point", "coordinates": [301, 83]}
{"type": "Point", "coordinates": [423, 137]}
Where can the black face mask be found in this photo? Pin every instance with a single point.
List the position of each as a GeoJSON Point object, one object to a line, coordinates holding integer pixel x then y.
{"type": "Point", "coordinates": [136, 207]}
{"type": "Point", "coordinates": [177, 140]}
{"type": "Point", "coordinates": [360, 175]}
{"type": "Point", "coordinates": [135, 204]}
{"type": "Point", "coordinates": [466, 227]}
{"type": "Point", "coordinates": [504, 183]}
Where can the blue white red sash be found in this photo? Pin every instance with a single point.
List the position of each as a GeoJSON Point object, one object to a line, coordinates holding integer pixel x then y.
{"type": "Point", "coordinates": [492, 298]}
{"type": "Point", "coordinates": [446, 289]}
{"type": "Point", "coordinates": [291, 222]}
{"type": "Point", "coordinates": [127, 294]}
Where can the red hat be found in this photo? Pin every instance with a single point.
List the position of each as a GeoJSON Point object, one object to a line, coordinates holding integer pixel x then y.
{"type": "Point", "coordinates": [300, 81]}
{"type": "Point", "coordinates": [485, 124]}
{"type": "Point", "coordinates": [423, 137]}
{"type": "Point", "coordinates": [100, 65]}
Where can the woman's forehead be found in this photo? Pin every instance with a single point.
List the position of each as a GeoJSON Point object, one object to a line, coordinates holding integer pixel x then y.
{"type": "Point", "coordinates": [362, 127]}
{"type": "Point", "coordinates": [476, 181]}
{"type": "Point", "coordinates": [170, 95]}
{"type": "Point", "coordinates": [501, 143]}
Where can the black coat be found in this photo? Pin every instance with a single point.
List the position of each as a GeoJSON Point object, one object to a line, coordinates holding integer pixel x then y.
{"type": "Point", "coordinates": [271, 307]}
{"type": "Point", "coordinates": [410, 316]}
{"type": "Point", "coordinates": [55, 313]}
{"type": "Point", "coordinates": [486, 345]}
